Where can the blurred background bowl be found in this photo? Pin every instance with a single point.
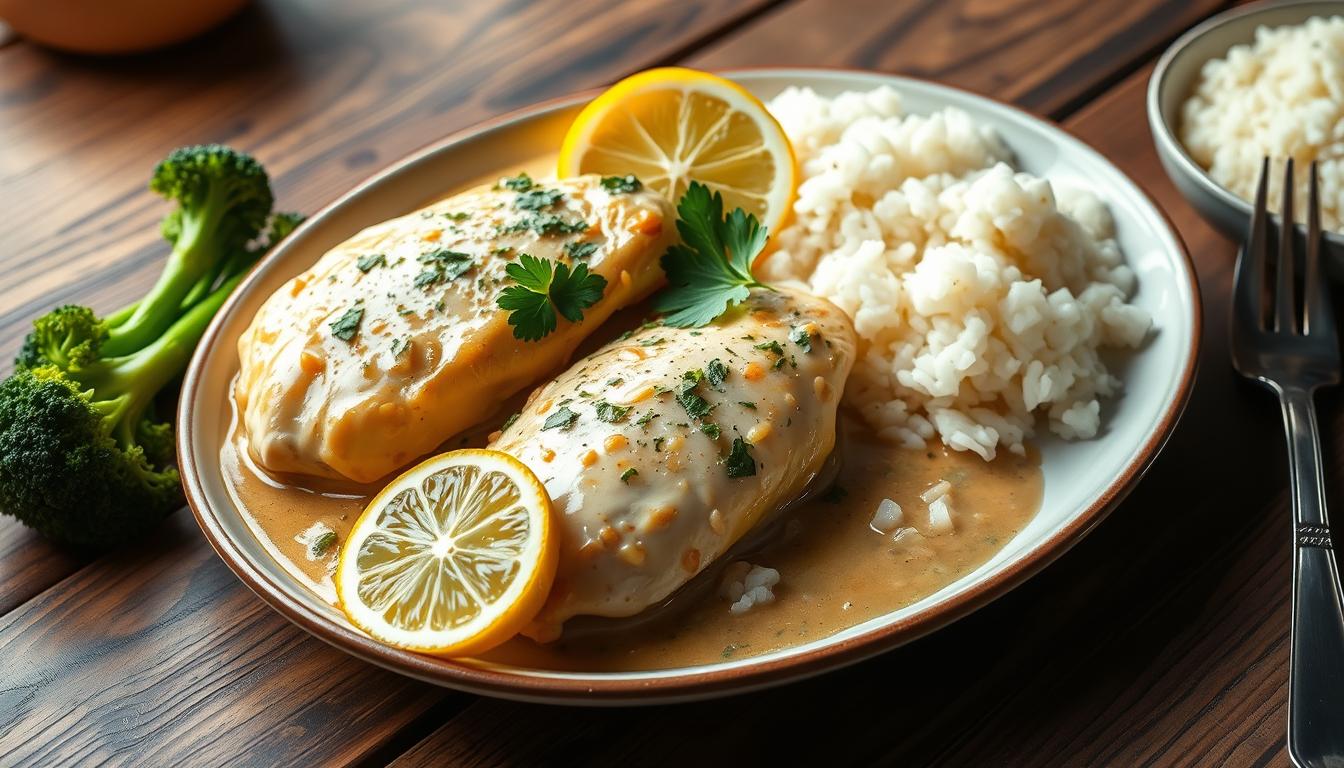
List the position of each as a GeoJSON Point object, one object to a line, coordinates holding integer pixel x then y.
{"type": "Point", "coordinates": [1172, 83]}
{"type": "Point", "coordinates": [114, 26]}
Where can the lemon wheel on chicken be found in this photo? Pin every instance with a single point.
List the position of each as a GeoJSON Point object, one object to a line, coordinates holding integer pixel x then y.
{"type": "Point", "coordinates": [451, 558]}
{"type": "Point", "coordinates": [671, 126]}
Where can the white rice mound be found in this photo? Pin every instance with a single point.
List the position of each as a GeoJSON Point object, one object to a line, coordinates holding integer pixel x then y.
{"type": "Point", "coordinates": [1280, 96]}
{"type": "Point", "coordinates": [981, 296]}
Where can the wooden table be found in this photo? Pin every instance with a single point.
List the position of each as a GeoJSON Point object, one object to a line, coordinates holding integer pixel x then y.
{"type": "Point", "coordinates": [1162, 638]}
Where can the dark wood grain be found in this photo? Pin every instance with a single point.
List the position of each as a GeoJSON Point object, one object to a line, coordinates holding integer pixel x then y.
{"type": "Point", "coordinates": [1045, 56]}
{"type": "Point", "coordinates": [154, 657]}
{"type": "Point", "coordinates": [1160, 639]}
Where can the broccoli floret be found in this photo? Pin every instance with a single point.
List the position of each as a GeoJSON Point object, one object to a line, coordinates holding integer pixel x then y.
{"type": "Point", "coordinates": [224, 200]}
{"type": "Point", "coordinates": [80, 459]}
{"type": "Point", "coordinates": [67, 336]}
{"type": "Point", "coordinates": [63, 474]}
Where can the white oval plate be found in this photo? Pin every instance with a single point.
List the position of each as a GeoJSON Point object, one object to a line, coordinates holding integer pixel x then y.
{"type": "Point", "coordinates": [1083, 480]}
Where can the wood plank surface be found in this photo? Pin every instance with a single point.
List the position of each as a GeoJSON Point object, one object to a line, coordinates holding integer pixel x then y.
{"type": "Point", "coordinates": [155, 657]}
{"type": "Point", "coordinates": [1162, 637]}
{"type": "Point", "coordinates": [1048, 57]}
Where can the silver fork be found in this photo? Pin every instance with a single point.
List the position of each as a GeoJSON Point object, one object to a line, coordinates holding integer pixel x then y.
{"type": "Point", "coordinates": [1294, 353]}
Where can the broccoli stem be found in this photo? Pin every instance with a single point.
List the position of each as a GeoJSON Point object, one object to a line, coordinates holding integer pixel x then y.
{"type": "Point", "coordinates": [124, 387]}
{"type": "Point", "coordinates": [195, 254]}
{"type": "Point", "coordinates": [121, 315]}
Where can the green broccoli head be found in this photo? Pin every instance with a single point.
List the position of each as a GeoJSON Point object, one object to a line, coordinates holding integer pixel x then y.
{"type": "Point", "coordinates": [69, 337]}
{"type": "Point", "coordinates": [50, 432]}
{"type": "Point", "coordinates": [213, 180]}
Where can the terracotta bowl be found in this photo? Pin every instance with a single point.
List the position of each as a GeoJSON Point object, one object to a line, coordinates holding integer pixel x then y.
{"type": "Point", "coordinates": [114, 26]}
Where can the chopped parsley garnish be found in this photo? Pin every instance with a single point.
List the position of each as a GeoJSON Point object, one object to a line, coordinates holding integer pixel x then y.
{"type": "Point", "coordinates": [520, 183]}
{"type": "Point", "coordinates": [746, 404]}
{"type": "Point", "coordinates": [347, 326]}
{"type": "Point", "coordinates": [711, 429]}
{"type": "Point", "coordinates": [509, 421]}
{"type": "Point", "coordinates": [563, 418]}
{"type": "Point", "coordinates": [627, 474]}
{"type": "Point", "coordinates": [544, 288]}
{"type": "Point", "coordinates": [716, 372]}
{"type": "Point", "coordinates": [651, 342]}
{"type": "Point", "coordinates": [771, 346]}
{"type": "Point", "coordinates": [321, 544]}
{"type": "Point", "coordinates": [503, 250]}
{"type": "Point", "coordinates": [799, 335]}
{"type": "Point", "coordinates": [576, 250]}
{"type": "Point", "coordinates": [739, 462]}
{"type": "Point", "coordinates": [544, 223]}
{"type": "Point", "coordinates": [369, 261]}
{"type": "Point", "coordinates": [621, 184]}
{"type": "Point", "coordinates": [615, 382]}
{"type": "Point", "coordinates": [442, 265]}
{"type": "Point", "coordinates": [457, 216]}
{"type": "Point", "coordinates": [609, 412]}
{"type": "Point", "coordinates": [658, 444]}
{"type": "Point", "coordinates": [400, 345]}
{"type": "Point", "coordinates": [646, 418]}
{"type": "Point", "coordinates": [711, 270]}
{"type": "Point", "coordinates": [696, 406]}
{"type": "Point", "coordinates": [537, 199]}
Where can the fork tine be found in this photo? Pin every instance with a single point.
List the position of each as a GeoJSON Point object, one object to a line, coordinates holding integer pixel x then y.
{"type": "Point", "coordinates": [1318, 318]}
{"type": "Point", "coordinates": [1248, 292]}
{"type": "Point", "coordinates": [1285, 309]}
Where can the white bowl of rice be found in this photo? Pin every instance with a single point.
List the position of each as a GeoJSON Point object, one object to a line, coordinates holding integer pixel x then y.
{"type": "Point", "coordinates": [1260, 80]}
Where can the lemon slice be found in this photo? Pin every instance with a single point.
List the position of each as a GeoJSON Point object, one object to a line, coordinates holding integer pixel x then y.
{"type": "Point", "coordinates": [451, 558]}
{"type": "Point", "coordinates": [670, 126]}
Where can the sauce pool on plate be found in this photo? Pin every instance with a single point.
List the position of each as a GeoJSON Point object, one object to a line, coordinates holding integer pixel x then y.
{"type": "Point", "coordinates": [836, 570]}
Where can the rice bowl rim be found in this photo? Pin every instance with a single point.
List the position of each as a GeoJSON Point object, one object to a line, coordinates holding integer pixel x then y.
{"type": "Point", "coordinates": [199, 458]}
{"type": "Point", "coordinates": [1172, 149]}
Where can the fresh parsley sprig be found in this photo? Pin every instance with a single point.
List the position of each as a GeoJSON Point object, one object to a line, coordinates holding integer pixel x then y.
{"type": "Point", "coordinates": [543, 288]}
{"type": "Point", "coordinates": [711, 270]}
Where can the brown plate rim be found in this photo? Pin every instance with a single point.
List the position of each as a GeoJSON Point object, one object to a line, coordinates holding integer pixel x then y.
{"type": "Point", "coordinates": [740, 678]}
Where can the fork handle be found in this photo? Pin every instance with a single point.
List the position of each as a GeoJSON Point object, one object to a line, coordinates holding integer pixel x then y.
{"type": "Point", "coordinates": [1316, 667]}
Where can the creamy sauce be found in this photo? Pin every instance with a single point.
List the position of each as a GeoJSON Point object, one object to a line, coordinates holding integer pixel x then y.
{"type": "Point", "coordinates": [836, 570]}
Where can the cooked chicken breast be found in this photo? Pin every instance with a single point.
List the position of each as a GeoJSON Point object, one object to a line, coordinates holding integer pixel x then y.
{"type": "Point", "coordinates": [392, 342]}
{"type": "Point", "coordinates": [662, 449]}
